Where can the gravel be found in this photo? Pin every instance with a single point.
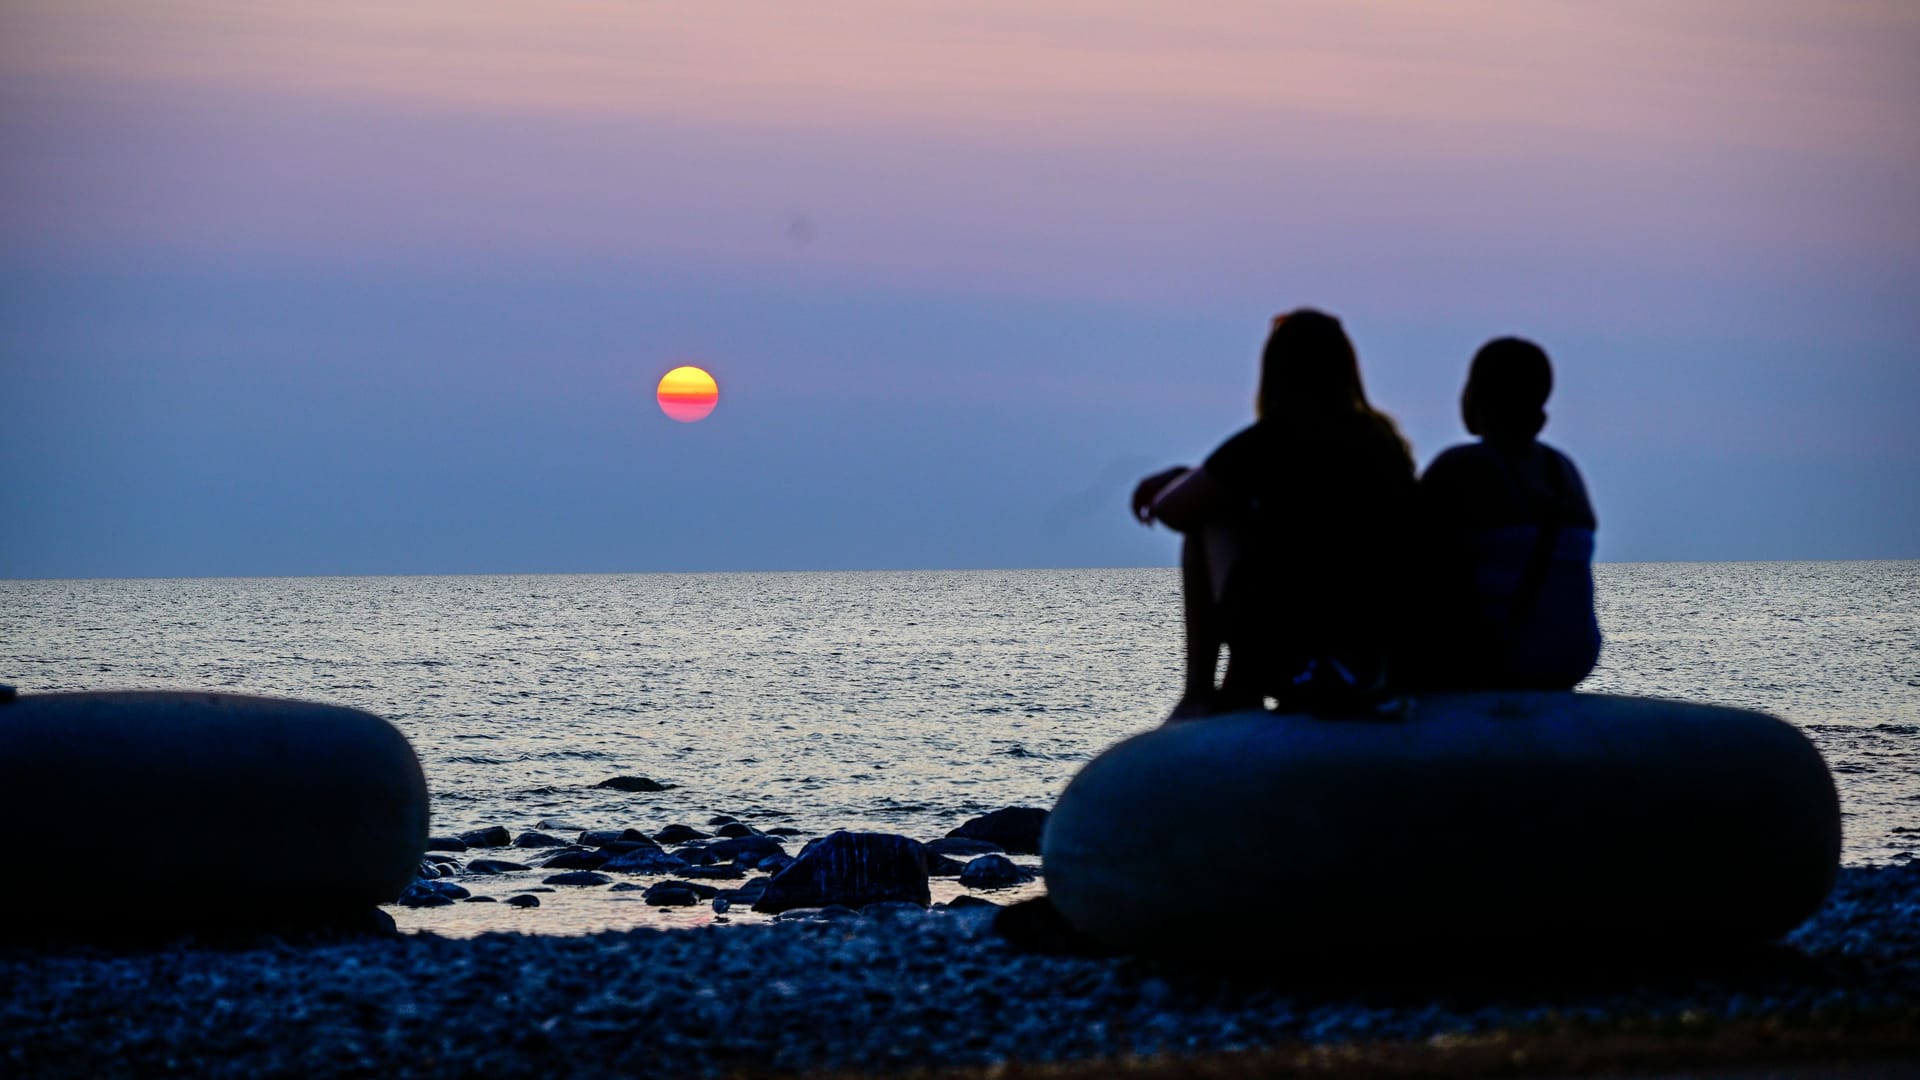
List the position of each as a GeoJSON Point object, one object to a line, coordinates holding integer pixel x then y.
{"type": "Point", "coordinates": [884, 991]}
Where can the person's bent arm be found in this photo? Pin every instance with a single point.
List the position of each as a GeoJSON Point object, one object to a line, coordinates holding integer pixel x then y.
{"type": "Point", "coordinates": [1189, 502]}
{"type": "Point", "coordinates": [1150, 489]}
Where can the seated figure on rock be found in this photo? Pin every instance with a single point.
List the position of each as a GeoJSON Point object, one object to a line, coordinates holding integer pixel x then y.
{"type": "Point", "coordinates": [1295, 533]}
{"type": "Point", "coordinates": [1509, 535]}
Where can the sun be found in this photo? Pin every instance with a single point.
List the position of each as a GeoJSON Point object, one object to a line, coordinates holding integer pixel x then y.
{"type": "Point", "coordinates": [687, 394]}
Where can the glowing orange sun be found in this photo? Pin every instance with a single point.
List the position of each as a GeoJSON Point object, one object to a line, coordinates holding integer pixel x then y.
{"type": "Point", "coordinates": [687, 394]}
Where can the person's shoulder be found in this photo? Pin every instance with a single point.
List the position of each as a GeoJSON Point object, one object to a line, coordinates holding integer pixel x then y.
{"type": "Point", "coordinates": [1241, 450]}
{"type": "Point", "coordinates": [1461, 460]}
{"type": "Point", "coordinates": [1559, 457]}
{"type": "Point", "coordinates": [1579, 506]}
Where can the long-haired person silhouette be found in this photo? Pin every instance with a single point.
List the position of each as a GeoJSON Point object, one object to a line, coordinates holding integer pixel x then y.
{"type": "Point", "coordinates": [1296, 531]}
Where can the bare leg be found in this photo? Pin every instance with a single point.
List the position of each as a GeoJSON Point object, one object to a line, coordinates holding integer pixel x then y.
{"type": "Point", "coordinates": [1206, 556]}
{"type": "Point", "coordinates": [1204, 636]}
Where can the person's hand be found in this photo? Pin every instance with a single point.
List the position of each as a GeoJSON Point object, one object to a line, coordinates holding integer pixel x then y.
{"type": "Point", "coordinates": [1150, 489]}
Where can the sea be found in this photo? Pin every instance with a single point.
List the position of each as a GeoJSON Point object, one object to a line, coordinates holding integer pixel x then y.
{"type": "Point", "coordinates": [896, 701]}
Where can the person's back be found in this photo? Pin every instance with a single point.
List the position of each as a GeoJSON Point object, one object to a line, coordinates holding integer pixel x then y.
{"type": "Point", "coordinates": [1510, 595]}
{"type": "Point", "coordinates": [1329, 512]}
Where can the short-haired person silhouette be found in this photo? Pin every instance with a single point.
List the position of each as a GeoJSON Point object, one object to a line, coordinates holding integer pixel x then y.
{"type": "Point", "coordinates": [1509, 590]}
{"type": "Point", "coordinates": [1296, 532]}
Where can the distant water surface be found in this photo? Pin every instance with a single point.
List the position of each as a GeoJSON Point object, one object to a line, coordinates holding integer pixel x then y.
{"type": "Point", "coordinates": [904, 702]}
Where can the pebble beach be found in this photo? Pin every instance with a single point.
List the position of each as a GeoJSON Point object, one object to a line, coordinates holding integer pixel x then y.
{"type": "Point", "coordinates": [895, 989]}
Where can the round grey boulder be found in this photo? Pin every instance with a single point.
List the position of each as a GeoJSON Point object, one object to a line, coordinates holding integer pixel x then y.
{"type": "Point", "coordinates": [342, 780]}
{"type": "Point", "coordinates": [1490, 821]}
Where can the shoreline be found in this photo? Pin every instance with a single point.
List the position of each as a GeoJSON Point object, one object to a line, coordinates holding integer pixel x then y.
{"type": "Point", "coordinates": [899, 992]}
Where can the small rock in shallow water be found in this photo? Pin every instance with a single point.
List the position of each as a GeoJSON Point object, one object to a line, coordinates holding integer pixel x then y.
{"type": "Point", "coordinates": [963, 847]}
{"type": "Point", "coordinates": [671, 894]}
{"type": "Point", "coordinates": [523, 900]}
{"type": "Point", "coordinates": [577, 877]}
{"type": "Point", "coordinates": [721, 819]}
{"type": "Point", "coordinates": [556, 824]}
{"type": "Point", "coordinates": [578, 859]}
{"type": "Point", "coordinates": [965, 901]}
{"type": "Point", "coordinates": [1017, 829]}
{"type": "Point", "coordinates": [721, 905]}
{"type": "Point", "coordinates": [607, 837]}
{"type": "Point", "coordinates": [713, 873]}
{"type": "Point", "coordinates": [537, 839]}
{"type": "Point", "coordinates": [493, 836]}
{"type": "Point", "coordinates": [733, 829]}
{"type": "Point", "coordinates": [446, 843]}
{"type": "Point", "coordinates": [495, 866]}
{"type": "Point", "coordinates": [941, 866]}
{"type": "Point", "coordinates": [695, 855]}
{"type": "Point", "coordinates": [632, 783]}
{"type": "Point", "coordinates": [416, 896]}
{"type": "Point", "coordinates": [645, 861]}
{"type": "Point", "coordinates": [627, 886]}
{"type": "Point", "coordinates": [994, 872]}
{"type": "Point", "coordinates": [748, 850]}
{"type": "Point", "coordinates": [443, 859]}
{"type": "Point", "coordinates": [679, 834]}
{"type": "Point", "coordinates": [479, 900]}
{"type": "Point", "coordinates": [427, 870]}
{"type": "Point", "coordinates": [851, 868]}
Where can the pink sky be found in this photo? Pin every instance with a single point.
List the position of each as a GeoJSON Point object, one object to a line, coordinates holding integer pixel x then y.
{"type": "Point", "coordinates": [1089, 149]}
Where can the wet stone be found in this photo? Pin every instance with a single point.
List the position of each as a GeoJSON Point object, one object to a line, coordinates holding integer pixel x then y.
{"type": "Point", "coordinates": [963, 847]}
{"type": "Point", "coordinates": [537, 840]}
{"type": "Point", "coordinates": [632, 784]}
{"type": "Point", "coordinates": [713, 873]}
{"type": "Point", "coordinates": [850, 868]}
{"type": "Point", "coordinates": [733, 829]}
{"type": "Point", "coordinates": [645, 861]}
{"type": "Point", "coordinates": [577, 877]}
{"type": "Point", "coordinates": [679, 834]}
{"type": "Point", "coordinates": [446, 843]}
{"type": "Point", "coordinates": [745, 849]}
{"type": "Point", "coordinates": [523, 900]}
{"type": "Point", "coordinates": [1016, 829]}
{"type": "Point", "coordinates": [941, 866]}
{"type": "Point", "coordinates": [578, 860]}
{"type": "Point", "coordinates": [492, 836]}
{"type": "Point", "coordinates": [609, 837]}
{"type": "Point", "coordinates": [671, 894]}
{"type": "Point", "coordinates": [994, 872]}
{"type": "Point", "coordinates": [495, 866]}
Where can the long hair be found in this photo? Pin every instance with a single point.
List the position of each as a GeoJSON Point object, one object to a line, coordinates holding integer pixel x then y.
{"type": "Point", "coordinates": [1310, 377]}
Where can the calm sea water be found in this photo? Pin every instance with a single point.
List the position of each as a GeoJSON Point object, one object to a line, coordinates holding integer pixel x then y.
{"type": "Point", "coordinates": [903, 702]}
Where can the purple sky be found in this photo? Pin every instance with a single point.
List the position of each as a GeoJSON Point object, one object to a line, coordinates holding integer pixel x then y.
{"type": "Point", "coordinates": [357, 287]}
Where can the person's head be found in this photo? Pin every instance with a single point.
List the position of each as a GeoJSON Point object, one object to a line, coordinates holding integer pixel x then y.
{"type": "Point", "coordinates": [1507, 388]}
{"type": "Point", "coordinates": [1308, 371]}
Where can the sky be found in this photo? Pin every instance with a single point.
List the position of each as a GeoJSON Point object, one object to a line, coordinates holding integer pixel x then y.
{"type": "Point", "coordinates": [351, 287]}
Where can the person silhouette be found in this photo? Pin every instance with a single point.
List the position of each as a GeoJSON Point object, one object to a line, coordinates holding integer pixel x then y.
{"type": "Point", "coordinates": [1510, 533]}
{"type": "Point", "coordinates": [1294, 530]}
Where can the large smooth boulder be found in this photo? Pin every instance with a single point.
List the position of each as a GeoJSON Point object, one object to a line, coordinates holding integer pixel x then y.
{"type": "Point", "coordinates": [850, 868]}
{"type": "Point", "coordinates": [1487, 822]}
{"type": "Point", "coordinates": [198, 791]}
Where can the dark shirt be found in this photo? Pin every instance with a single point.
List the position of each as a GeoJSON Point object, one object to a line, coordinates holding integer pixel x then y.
{"type": "Point", "coordinates": [1331, 511]}
{"type": "Point", "coordinates": [1509, 594]}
